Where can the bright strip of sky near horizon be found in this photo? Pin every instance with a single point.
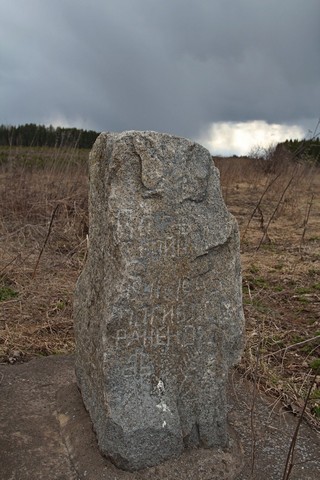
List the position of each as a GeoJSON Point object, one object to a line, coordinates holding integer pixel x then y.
{"type": "Point", "coordinates": [232, 74]}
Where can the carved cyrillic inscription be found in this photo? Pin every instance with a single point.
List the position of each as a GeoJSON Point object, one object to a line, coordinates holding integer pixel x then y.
{"type": "Point", "coordinates": [186, 336]}
{"type": "Point", "coordinates": [181, 289]}
{"type": "Point", "coordinates": [157, 235]}
{"type": "Point", "coordinates": [160, 326]}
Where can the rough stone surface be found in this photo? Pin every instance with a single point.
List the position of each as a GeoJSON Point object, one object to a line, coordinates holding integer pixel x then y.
{"type": "Point", "coordinates": [158, 311]}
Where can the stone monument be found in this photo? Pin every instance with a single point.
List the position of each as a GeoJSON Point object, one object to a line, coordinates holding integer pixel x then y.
{"type": "Point", "coordinates": [158, 309]}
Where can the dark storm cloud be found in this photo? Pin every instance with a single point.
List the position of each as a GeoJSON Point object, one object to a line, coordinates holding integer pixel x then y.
{"type": "Point", "coordinates": [169, 65]}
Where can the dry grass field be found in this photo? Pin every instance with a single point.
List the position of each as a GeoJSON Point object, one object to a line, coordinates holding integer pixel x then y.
{"type": "Point", "coordinates": [43, 228]}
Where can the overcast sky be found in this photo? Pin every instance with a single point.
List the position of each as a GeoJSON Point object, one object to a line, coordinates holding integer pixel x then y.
{"type": "Point", "coordinates": [231, 74]}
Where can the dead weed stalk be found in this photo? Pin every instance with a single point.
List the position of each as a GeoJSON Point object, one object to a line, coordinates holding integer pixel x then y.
{"type": "Point", "coordinates": [45, 241]}
{"type": "Point", "coordinates": [290, 457]}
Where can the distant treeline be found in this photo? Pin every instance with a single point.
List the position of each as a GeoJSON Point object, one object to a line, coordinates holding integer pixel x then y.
{"type": "Point", "coordinates": [31, 135]}
{"type": "Point", "coordinates": [303, 149]}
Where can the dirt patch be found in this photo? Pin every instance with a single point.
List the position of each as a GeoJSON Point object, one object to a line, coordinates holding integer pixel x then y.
{"type": "Point", "coordinates": [46, 434]}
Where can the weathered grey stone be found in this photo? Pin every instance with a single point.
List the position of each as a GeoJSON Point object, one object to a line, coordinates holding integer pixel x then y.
{"type": "Point", "coordinates": [158, 310]}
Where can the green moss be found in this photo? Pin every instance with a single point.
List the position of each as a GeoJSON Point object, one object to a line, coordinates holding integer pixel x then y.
{"type": "Point", "coordinates": [313, 272]}
{"type": "Point", "coordinates": [307, 348]}
{"type": "Point", "coordinates": [316, 411]}
{"type": "Point", "coordinates": [255, 282]}
{"type": "Point", "coordinates": [253, 269]}
{"type": "Point", "coordinates": [303, 299]}
{"type": "Point", "coordinates": [260, 307]}
{"type": "Point", "coordinates": [246, 301]}
{"type": "Point", "coordinates": [315, 395]}
{"type": "Point", "coordinates": [278, 288]}
{"type": "Point", "coordinates": [297, 339]}
{"type": "Point", "coordinates": [6, 293]}
{"type": "Point", "coordinates": [278, 266]}
{"type": "Point", "coordinates": [303, 290]}
{"type": "Point", "coordinates": [60, 305]}
{"type": "Point", "coordinates": [315, 364]}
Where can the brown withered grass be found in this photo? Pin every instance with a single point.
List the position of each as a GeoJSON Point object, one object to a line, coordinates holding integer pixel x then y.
{"type": "Point", "coordinates": [281, 274]}
{"type": "Point", "coordinates": [43, 245]}
{"type": "Point", "coordinates": [38, 320]}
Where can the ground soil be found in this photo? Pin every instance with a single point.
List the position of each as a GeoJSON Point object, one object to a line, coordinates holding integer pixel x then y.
{"type": "Point", "coordinates": [46, 434]}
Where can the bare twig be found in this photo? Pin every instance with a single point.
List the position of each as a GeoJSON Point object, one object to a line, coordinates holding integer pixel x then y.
{"type": "Point", "coordinates": [289, 461]}
{"type": "Point", "coordinates": [46, 240]}
{"type": "Point", "coordinates": [275, 210]}
{"type": "Point", "coordinates": [293, 345]}
{"type": "Point", "coordinates": [257, 207]}
{"type": "Point", "coordinates": [305, 223]}
{"type": "Point", "coordinates": [253, 403]}
{"type": "Point", "coordinates": [295, 155]}
{"type": "Point", "coordinates": [12, 234]}
{"type": "Point", "coordinates": [8, 264]}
